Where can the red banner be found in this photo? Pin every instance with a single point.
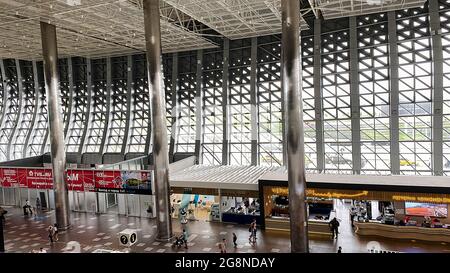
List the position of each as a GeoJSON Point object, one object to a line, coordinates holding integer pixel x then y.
{"type": "Point", "coordinates": [22, 178]}
{"type": "Point", "coordinates": [108, 180]}
{"type": "Point", "coordinates": [80, 180]}
{"type": "Point", "coordinates": [138, 182]}
{"type": "Point", "coordinates": [39, 178]}
{"type": "Point", "coordinates": [9, 178]}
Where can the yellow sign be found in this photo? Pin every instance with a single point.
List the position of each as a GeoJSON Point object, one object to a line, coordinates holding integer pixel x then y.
{"type": "Point", "coordinates": [421, 199]}
{"type": "Point", "coordinates": [337, 195]}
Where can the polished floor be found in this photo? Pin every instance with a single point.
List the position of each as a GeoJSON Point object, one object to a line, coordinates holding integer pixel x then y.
{"type": "Point", "coordinates": [91, 232]}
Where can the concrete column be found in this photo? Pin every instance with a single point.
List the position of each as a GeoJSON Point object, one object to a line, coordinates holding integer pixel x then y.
{"type": "Point", "coordinates": [175, 105]}
{"type": "Point", "coordinates": [225, 102]}
{"type": "Point", "coordinates": [320, 148]}
{"type": "Point", "coordinates": [354, 98]}
{"type": "Point", "coordinates": [130, 89]}
{"type": "Point", "coordinates": [108, 106]}
{"type": "Point", "coordinates": [290, 14]}
{"type": "Point", "coordinates": [50, 55]}
{"type": "Point", "coordinates": [394, 96]}
{"type": "Point", "coordinates": [438, 89]}
{"type": "Point", "coordinates": [158, 112]}
{"type": "Point", "coordinates": [88, 125]}
{"type": "Point", "coordinates": [199, 108]}
{"type": "Point", "coordinates": [69, 107]}
{"type": "Point", "coordinates": [253, 101]}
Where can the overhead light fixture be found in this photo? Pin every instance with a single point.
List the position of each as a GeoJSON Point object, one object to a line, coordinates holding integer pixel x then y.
{"type": "Point", "coordinates": [72, 2]}
{"type": "Point", "coordinates": [379, 2]}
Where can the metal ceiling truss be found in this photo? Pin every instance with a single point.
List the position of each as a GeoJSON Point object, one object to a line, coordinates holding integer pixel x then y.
{"type": "Point", "coordinates": [92, 29]}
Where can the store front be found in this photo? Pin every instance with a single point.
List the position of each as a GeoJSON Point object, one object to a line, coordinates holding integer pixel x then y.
{"type": "Point", "coordinates": [232, 206]}
{"type": "Point", "coordinates": [368, 208]}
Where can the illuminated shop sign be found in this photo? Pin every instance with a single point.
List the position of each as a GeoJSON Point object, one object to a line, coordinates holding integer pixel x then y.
{"type": "Point", "coordinates": [365, 195]}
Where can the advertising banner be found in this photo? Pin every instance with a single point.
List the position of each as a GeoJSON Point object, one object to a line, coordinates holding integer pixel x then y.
{"type": "Point", "coordinates": [112, 181]}
{"type": "Point", "coordinates": [9, 178]}
{"type": "Point", "coordinates": [80, 180]}
{"type": "Point", "coordinates": [134, 182]}
{"type": "Point", "coordinates": [39, 178]}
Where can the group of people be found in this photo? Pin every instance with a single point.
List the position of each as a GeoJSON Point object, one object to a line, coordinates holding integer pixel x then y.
{"type": "Point", "coordinates": [53, 233]}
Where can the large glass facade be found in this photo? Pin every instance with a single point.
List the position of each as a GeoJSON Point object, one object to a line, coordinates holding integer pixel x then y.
{"type": "Point", "coordinates": [336, 96]}
{"type": "Point", "coordinates": [99, 102]}
{"type": "Point", "coordinates": [269, 100]}
{"type": "Point", "coordinates": [79, 105]}
{"type": "Point", "coordinates": [116, 136]}
{"type": "Point", "coordinates": [240, 105]}
{"type": "Point", "coordinates": [212, 95]}
{"type": "Point", "coordinates": [415, 89]}
{"type": "Point", "coordinates": [309, 118]}
{"type": "Point", "coordinates": [328, 131]}
{"type": "Point", "coordinates": [187, 73]}
{"type": "Point", "coordinates": [374, 92]}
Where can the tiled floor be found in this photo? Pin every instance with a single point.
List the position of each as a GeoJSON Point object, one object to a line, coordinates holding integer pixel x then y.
{"type": "Point", "coordinates": [90, 232]}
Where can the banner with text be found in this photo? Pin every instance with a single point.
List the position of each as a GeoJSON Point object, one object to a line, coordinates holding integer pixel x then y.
{"type": "Point", "coordinates": [113, 181]}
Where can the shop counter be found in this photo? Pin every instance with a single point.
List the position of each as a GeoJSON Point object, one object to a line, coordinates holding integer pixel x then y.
{"type": "Point", "coordinates": [403, 232]}
{"type": "Point", "coordinates": [240, 218]}
{"type": "Point", "coordinates": [315, 227]}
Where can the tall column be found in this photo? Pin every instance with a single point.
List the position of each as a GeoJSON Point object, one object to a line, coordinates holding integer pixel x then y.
{"type": "Point", "coordinates": [69, 106]}
{"type": "Point", "coordinates": [354, 98]}
{"type": "Point", "coordinates": [108, 106]}
{"type": "Point", "coordinates": [438, 87]}
{"type": "Point", "coordinates": [253, 99]}
{"type": "Point", "coordinates": [199, 108]}
{"type": "Point", "coordinates": [175, 105]}
{"type": "Point", "coordinates": [158, 112]}
{"type": "Point", "coordinates": [394, 96]}
{"type": "Point", "coordinates": [318, 96]}
{"type": "Point", "coordinates": [56, 126]}
{"type": "Point", "coordinates": [89, 107]}
{"type": "Point", "coordinates": [225, 102]}
{"type": "Point", "coordinates": [130, 89]}
{"type": "Point", "coordinates": [290, 84]}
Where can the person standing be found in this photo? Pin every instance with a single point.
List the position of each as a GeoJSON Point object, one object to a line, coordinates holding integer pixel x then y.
{"type": "Point", "coordinates": [251, 230]}
{"type": "Point", "coordinates": [339, 250]}
{"type": "Point", "coordinates": [185, 238]}
{"type": "Point", "coordinates": [2, 215]}
{"type": "Point", "coordinates": [55, 232]}
{"type": "Point", "coordinates": [334, 226]}
{"type": "Point", "coordinates": [234, 239]}
{"type": "Point", "coordinates": [50, 233]}
{"type": "Point", "coordinates": [38, 204]}
{"type": "Point", "coordinates": [223, 246]}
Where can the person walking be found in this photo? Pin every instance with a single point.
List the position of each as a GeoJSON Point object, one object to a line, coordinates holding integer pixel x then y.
{"type": "Point", "coordinates": [27, 208]}
{"type": "Point", "coordinates": [38, 204]}
{"type": "Point", "coordinates": [334, 226]}
{"type": "Point", "coordinates": [223, 246]}
{"type": "Point", "coordinates": [234, 239]}
{"type": "Point", "coordinates": [254, 232]}
{"type": "Point", "coordinates": [251, 230]}
{"type": "Point", "coordinates": [185, 238]}
{"type": "Point", "coordinates": [2, 215]}
{"type": "Point", "coordinates": [50, 233]}
{"type": "Point", "coordinates": [55, 232]}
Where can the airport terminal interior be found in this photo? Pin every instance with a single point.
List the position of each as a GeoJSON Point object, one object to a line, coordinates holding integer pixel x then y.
{"type": "Point", "coordinates": [276, 126]}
